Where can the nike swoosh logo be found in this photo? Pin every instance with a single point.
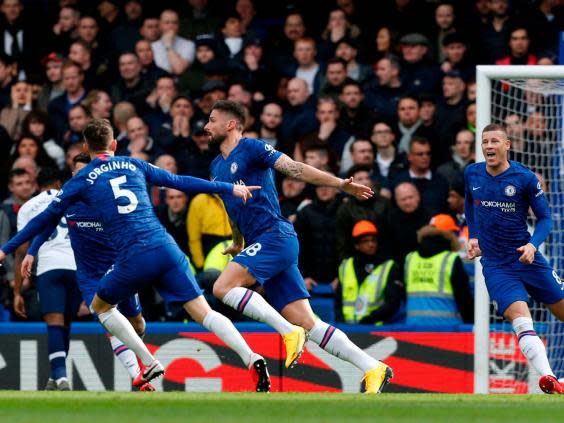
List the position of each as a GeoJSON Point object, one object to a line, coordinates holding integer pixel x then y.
{"type": "Point", "coordinates": [475, 188]}
{"type": "Point", "coordinates": [70, 215]}
{"type": "Point", "coordinates": [214, 178]}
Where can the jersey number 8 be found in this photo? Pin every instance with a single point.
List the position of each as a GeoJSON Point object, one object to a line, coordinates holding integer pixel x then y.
{"type": "Point", "coordinates": [120, 192]}
{"type": "Point", "coordinates": [252, 249]}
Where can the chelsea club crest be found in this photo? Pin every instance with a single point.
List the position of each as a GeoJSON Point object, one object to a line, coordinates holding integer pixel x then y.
{"type": "Point", "coordinates": [234, 167]}
{"type": "Point", "coordinates": [510, 190]}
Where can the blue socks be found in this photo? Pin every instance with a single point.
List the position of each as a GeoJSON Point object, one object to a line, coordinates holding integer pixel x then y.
{"type": "Point", "coordinates": [58, 341]}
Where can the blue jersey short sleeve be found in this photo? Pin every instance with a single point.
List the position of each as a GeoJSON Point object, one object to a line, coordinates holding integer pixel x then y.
{"type": "Point", "coordinates": [251, 163]}
{"type": "Point", "coordinates": [497, 208]}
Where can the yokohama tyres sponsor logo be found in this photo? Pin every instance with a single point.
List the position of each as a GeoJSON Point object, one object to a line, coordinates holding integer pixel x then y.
{"type": "Point", "coordinates": [505, 206]}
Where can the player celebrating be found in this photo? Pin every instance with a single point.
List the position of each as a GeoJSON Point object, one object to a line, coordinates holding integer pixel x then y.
{"type": "Point", "coordinates": [499, 193]}
{"type": "Point", "coordinates": [117, 188]}
{"type": "Point", "coordinates": [271, 254]}
{"type": "Point", "coordinates": [93, 256]}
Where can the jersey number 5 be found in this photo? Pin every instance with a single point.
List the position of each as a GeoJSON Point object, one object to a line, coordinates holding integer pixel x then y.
{"type": "Point", "coordinates": [119, 192]}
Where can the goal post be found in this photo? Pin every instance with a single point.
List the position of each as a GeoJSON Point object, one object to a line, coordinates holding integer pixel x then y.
{"type": "Point", "coordinates": [522, 93]}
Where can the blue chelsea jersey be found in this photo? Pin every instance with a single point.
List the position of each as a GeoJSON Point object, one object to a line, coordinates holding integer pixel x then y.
{"type": "Point", "coordinates": [92, 247]}
{"type": "Point", "coordinates": [251, 163]}
{"type": "Point", "coordinates": [497, 207]}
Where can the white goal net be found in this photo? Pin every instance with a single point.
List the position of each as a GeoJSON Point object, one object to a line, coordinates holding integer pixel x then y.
{"type": "Point", "coordinates": [528, 102]}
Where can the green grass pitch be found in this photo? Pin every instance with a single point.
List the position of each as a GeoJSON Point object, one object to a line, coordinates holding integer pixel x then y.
{"type": "Point", "coordinates": [76, 407]}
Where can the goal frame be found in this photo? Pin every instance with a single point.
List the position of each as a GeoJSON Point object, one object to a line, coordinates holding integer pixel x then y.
{"type": "Point", "coordinates": [484, 76]}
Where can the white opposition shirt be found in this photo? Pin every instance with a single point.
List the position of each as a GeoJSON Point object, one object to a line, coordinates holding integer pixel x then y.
{"type": "Point", "coordinates": [184, 48]}
{"type": "Point", "coordinates": [56, 253]}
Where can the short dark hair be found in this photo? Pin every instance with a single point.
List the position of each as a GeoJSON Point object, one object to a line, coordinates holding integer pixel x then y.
{"type": "Point", "coordinates": [359, 140]}
{"type": "Point", "coordinates": [98, 134]}
{"type": "Point", "coordinates": [336, 60]}
{"type": "Point", "coordinates": [357, 168]}
{"type": "Point", "coordinates": [48, 176]}
{"type": "Point", "coordinates": [180, 97]}
{"type": "Point", "coordinates": [81, 158]}
{"type": "Point", "coordinates": [418, 140]}
{"type": "Point", "coordinates": [17, 171]}
{"type": "Point", "coordinates": [232, 108]}
{"type": "Point", "coordinates": [351, 82]}
{"type": "Point", "coordinates": [494, 127]}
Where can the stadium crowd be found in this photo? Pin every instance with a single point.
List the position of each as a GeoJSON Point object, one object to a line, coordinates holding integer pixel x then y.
{"type": "Point", "coordinates": [381, 91]}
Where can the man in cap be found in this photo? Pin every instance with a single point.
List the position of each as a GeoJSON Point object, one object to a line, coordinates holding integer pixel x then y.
{"type": "Point", "coordinates": [418, 72]}
{"type": "Point", "coordinates": [371, 288]}
{"type": "Point", "coordinates": [437, 288]}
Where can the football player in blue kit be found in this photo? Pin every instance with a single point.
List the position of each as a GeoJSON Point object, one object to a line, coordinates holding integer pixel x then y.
{"type": "Point", "coordinates": [93, 256]}
{"type": "Point", "coordinates": [116, 187]}
{"type": "Point", "coordinates": [265, 246]}
{"type": "Point", "coordinates": [499, 193]}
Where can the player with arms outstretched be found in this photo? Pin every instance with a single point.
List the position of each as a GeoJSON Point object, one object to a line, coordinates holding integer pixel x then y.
{"type": "Point", "coordinates": [117, 188]}
{"type": "Point", "coordinates": [93, 255]}
{"type": "Point", "coordinates": [499, 193]}
{"type": "Point", "coordinates": [271, 254]}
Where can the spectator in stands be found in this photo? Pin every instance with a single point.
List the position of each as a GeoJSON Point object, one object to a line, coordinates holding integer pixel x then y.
{"type": "Point", "coordinates": [404, 219]}
{"type": "Point", "coordinates": [30, 146]}
{"type": "Point", "coordinates": [150, 29]}
{"type": "Point", "coordinates": [17, 39]}
{"type": "Point", "coordinates": [445, 25]}
{"type": "Point", "coordinates": [173, 214]}
{"type": "Point", "coordinates": [125, 33]}
{"type": "Point", "coordinates": [352, 210]}
{"type": "Point", "coordinates": [293, 195]}
{"type": "Point", "coordinates": [356, 118]}
{"type": "Point", "coordinates": [8, 72]}
{"type": "Point", "coordinates": [159, 103]}
{"type": "Point", "coordinates": [299, 116]}
{"type": "Point", "coordinates": [98, 104]}
{"type": "Point", "coordinates": [318, 156]}
{"type": "Point", "coordinates": [451, 113]}
{"type": "Point", "coordinates": [65, 29]}
{"type": "Point", "coordinates": [347, 49]}
{"type": "Point", "coordinates": [139, 140]}
{"type": "Point", "coordinates": [315, 226]}
{"type": "Point", "coordinates": [305, 66]}
{"type": "Point", "coordinates": [197, 18]}
{"type": "Point", "coordinates": [432, 186]}
{"type": "Point", "coordinates": [437, 288]}
{"type": "Point", "coordinates": [59, 107]}
{"type": "Point", "coordinates": [371, 289]}
{"type": "Point", "coordinates": [362, 154]}
{"type": "Point", "coordinates": [385, 96]}
{"type": "Point", "coordinates": [89, 32]}
{"type": "Point", "coordinates": [456, 56]}
{"type": "Point", "coordinates": [270, 128]}
{"type": "Point", "coordinates": [388, 163]}
{"type": "Point", "coordinates": [428, 111]}
{"type": "Point", "coordinates": [328, 132]}
{"type": "Point", "coordinates": [177, 129]}
{"type": "Point", "coordinates": [338, 27]}
{"type": "Point", "coordinates": [11, 116]}
{"type": "Point", "coordinates": [241, 94]}
{"type": "Point", "coordinates": [519, 48]}
{"type": "Point", "coordinates": [335, 77]}
{"type": "Point", "coordinates": [53, 63]}
{"type": "Point", "coordinates": [384, 45]}
{"type": "Point", "coordinates": [456, 209]}
{"type": "Point", "coordinates": [252, 69]}
{"type": "Point", "coordinates": [28, 164]}
{"type": "Point", "coordinates": [121, 113]}
{"type": "Point", "coordinates": [22, 187]}
{"type": "Point", "coordinates": [149, 70]}
{"type": "Point", "coordinates": [131, 86]}
{"type": "Point", "coordinates": [471, 117]}
{"type": "Point", "coordinates": [410, 123]}
{"type": "Point", "coordinates": [95, 74]}
{"type": "Point", "coordinates": [546, 21]}
{"type": "Point", "coordinates": [418, 72]}
{"type": "Point", "coordinates": [37, 123]}
{"type": "Point", "coordinates": [282, 49]}
{"type": "Point", "coordinates": [230, 38]}
{"type": "Point", "coordinates": [172, 52]}
{"type": "Point", "coordinates": [462, 155]}
{"type": "Point", "coordinates": [495, 32]}
{"type": "Point", "coordinates": [77, 121]}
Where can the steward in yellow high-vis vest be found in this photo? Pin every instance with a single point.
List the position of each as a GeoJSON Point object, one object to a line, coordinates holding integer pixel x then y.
{"type": "Point", "coordinates": [437, 288]}
{"type": "Point", "coordinates": [370, 286]}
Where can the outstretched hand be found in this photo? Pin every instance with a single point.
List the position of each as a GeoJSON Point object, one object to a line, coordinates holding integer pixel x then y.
{"type": "Point", "coordinates": [527, 253]}
{"type": "Point", "coordinates": [233, 249]}
{"type": "Point", "coordinates": [244, 192]}
{"type": "Point", "coordinates": [362, 192]}
{"type": "Point", "coordinates": [27, 265]}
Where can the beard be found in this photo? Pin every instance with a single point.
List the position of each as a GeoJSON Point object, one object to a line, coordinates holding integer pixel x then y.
{"type": "Point", "coordinates": [217, 139]}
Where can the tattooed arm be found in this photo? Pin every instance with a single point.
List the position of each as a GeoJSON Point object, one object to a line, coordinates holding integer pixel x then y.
{"type": "Point", "coordinates": [238, 241]}
{"type": "Point", "coordinates": [309, 174]}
